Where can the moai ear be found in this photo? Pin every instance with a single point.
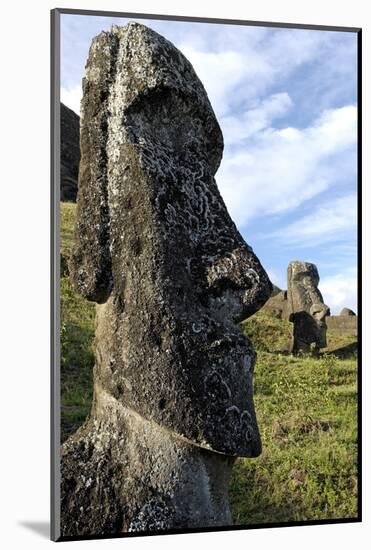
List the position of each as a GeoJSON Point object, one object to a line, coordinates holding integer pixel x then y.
{"type": "Point", "coordinates": [90, 264]}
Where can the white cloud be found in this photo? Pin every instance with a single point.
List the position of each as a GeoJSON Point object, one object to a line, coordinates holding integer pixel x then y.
{"type": "Point", "coordinates": [289, 49]}
{"type": "Point", "coordinates": [340, 290]}
{"type": "Point", "coordinates": [72, 97]}
{"type": "Point", "coordinates": [335, 129]}
{"type": "Point", "coordinates": [222, 72]}
{"type": "Point", "coordinates": [329, 220]}
{"type": "Point", "coordinates": [240, 69]}
{"type": "Point", "coordinates": [237, 128]}
{"type": "Point", "coordinates": [267, 170]}
{"type": "Point", "coordinates": [276, 170]}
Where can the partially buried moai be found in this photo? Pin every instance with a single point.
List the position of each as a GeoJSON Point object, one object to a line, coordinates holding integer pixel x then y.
{"type": "Point", "coordinates": [155, 248]}
{"type": "Point", "coordinates": [307, 309]}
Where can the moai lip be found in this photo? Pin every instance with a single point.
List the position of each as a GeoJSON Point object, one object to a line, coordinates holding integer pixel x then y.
{"type": "Point", "coordinates": [157, 250]}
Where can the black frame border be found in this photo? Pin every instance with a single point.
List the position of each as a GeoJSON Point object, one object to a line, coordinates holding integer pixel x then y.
{"type": "Point", "coordinates": [55, 268]}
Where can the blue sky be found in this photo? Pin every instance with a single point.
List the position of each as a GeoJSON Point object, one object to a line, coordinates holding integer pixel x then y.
{"type": "Point", "coordinates": [286, 102]}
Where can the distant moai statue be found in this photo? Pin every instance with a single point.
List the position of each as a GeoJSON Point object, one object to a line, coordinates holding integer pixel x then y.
{"type": "Point", "coordinates": [346, 312]}
{"type": "Point", "coordinates": [306, 307]}
{"type": "Point", "coordinates": [155, 248]}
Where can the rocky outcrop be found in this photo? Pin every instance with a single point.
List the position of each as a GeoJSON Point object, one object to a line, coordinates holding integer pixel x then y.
{"type": "Point", "coordinates": [343, 324]}
{"type": "Point", "coordinates": [306, 306]}
{"type": "Point", "coordinates": [276, 290]}
{"type": "Point", "coordinates": [70, 153]}
{"type": "Point", "coordinates": [278, 306]}
{"type": "Point", "coordinates": [346, 312]}
{"type": "Point", "coordinates": [156, 249]}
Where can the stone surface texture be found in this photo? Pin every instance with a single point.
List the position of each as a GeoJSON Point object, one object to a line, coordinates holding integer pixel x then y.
{"type": "Point", "coordinates": [156, 249]}
{"type": "Point", "coordinates": [306, 306]}
{"type": "Point", "coordinates": [343, 324]}
{"type": "Point", "coordinates": [278, 305]}
{"type": "Point", "coordinates": [346, 312]}
{"type": "Point", "coordinates": [70, 153]}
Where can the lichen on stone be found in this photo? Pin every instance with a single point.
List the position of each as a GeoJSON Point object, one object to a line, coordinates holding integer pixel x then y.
{"type": "Point", "coordinates": [156, 249]}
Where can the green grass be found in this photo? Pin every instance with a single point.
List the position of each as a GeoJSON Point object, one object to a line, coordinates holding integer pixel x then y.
{"type": "Point", "coordinates": [77, 333]}
{"type": "Point", "coordinates": [306, 409]}
{"type": "Point", "coordinates": [268, 333]}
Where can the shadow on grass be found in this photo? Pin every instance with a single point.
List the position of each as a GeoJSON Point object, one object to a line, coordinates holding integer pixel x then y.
{"type": "Point", "coordinates": [346, 352]}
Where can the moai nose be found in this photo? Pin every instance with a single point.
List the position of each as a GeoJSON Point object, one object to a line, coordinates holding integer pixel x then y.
{"type": "Point", "coordinates": [156, 246]}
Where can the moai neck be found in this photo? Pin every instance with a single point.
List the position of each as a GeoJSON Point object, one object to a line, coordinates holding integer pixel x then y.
{"type": "Point", "coordinates": [167, 482]}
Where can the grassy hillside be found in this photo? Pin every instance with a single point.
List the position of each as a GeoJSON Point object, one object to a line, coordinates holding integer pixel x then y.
{"type": "Point", "coordinates": [268, 333]}
{"type": "Point", "coordinates": [306, 408]}
{"type": "Point", "coordinates": [77, 333]}
{"type": "Point", "coordinates": [306, 411]}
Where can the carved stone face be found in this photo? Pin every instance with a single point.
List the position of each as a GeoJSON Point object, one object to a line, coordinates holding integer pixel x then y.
{"type": "Point", "coordinates": [156, 248]}
{"type": "Point", "coordinates": [306, 305]}
{"type": "Point", "coordinates": [303, 292]}
{"type": "Point", "coordinates": [319, 312]}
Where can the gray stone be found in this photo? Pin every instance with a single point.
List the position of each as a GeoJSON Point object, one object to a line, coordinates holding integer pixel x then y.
{"type": "Point", "coordinates": [276, 290]}
{"type": "Point", "coordinates": [343, 324]}
{"type": "Point", "coordinates": [306, 307]}
{"type": "Point", "coordinates": [157, 250]}
{"type": "Point", "coordinates": [70, 153]}
{"type": "Point", "coordinates": [277, 305]}
{"type": "Point", "coordinates": [346, 312]}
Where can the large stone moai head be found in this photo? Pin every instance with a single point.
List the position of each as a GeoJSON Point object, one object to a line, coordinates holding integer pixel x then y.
{"type": "Point", "coordinates": [306, 306]}
{"type": "Point", "coordinates": [157, 250]}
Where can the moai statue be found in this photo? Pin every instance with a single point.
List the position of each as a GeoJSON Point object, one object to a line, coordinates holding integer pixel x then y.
{"type": "Point", "coordinates": [172, 277]}
{"type": "Point", "coordinates": [307, 310]}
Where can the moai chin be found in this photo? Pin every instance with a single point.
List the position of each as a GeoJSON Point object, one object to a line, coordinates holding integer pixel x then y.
{"type": "Point", "coordinates": [155, 248]}
{"type": "Point", "coordinates": [306, 306]}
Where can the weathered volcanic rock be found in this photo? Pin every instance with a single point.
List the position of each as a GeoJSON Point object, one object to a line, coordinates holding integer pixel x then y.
{"type": "Point", "coordinates": [277, 305]}
{"type": "Point", "coordinates": [157, 250]}
{"type": "Point", "coordinates": [343, 324]}
{"type": "Point", "coordinates": [346, 312]}
{"type": "Point", "coordinates": [70, 153]}
{"type": "Point", "coordinates": [306, 306]}
{"type": "Point", "coordinates": [276, 290]}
